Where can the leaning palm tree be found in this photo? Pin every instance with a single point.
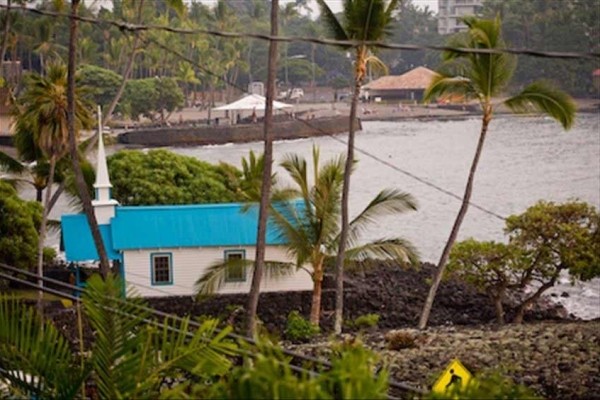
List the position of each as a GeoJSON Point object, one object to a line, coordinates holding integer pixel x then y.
{"type": "Point", "coordinates": [310, 226]}
{"type": "Point", "coordinates": [44, 112]}
{"type": "Point", "coordinates": [482, 77]}
{"type": "Point", "coordinates": [363, 21]}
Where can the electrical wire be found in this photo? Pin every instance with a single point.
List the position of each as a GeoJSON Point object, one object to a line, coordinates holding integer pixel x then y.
{"type": "Point", "coordinates": [332, 136]}
{"type": "Point", "coordinates": [316, 361]}
{"type": "Point", "coordinates": [130, 27]}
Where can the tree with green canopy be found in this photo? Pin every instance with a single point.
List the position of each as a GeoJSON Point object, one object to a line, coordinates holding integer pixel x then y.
{"type": "Point", "coordinates": [483, 77]}
{"type": "Point", "coordinates": [163, 177]}
{"type": "Point", "coordinates": [19, 222]}
{"type": "Point", "coordinates": [362, 21]}
{"type": "Point", "coordinates": [310, 226]}
{"type": "Point", "coordinates": [544, 241]}
{"type": "Point", "coordinates": [102, 83]}
{"type": "Point", "coordinates": [43, 110]}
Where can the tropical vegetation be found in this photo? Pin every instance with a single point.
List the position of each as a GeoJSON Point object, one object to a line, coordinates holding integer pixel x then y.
{"type": "Point", "coordinates": [19, 223]}
{"type": "Point", "coordinates": [163, 177]}
{"type": "Point", "coordinates": [132, 354]}
{"type": "Point", "coordinates": [310, 225]}
{"type": "Point", "coordinates": [545, 241]}
{"type": "Point", "coordinates": [41, 112]}
{"type": "Point", "coordinates": [362, 21]}
{"type": "Point", "coordinates": [483, 78]}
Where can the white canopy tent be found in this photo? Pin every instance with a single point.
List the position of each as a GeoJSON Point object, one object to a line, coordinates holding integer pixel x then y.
{"type": "Point", "coordinates": [251, 102]}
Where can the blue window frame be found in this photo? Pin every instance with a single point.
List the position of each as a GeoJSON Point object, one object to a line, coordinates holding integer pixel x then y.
{"type": "Point", "coordinates": [235, 272]}
{"type": "Point", "coordinates": [161, 268]}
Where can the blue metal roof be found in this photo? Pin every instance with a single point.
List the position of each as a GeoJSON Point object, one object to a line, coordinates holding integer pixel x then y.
{"type": "Point", "coordinates": [187, 226]}
{"type": "Point", "coordinates": [152, 227]}
{"type": "Point", "coordinates": [78, 241]}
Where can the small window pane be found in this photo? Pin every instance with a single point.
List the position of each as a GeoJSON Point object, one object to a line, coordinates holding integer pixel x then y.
{"type": "Point", "coordinates": [161, 269]}
{"type": "Point", "coordinates": [236, 272]}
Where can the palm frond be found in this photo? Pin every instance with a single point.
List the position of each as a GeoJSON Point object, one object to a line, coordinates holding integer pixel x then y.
{"type": "Point", "coordinates": [175, 348]}
{"type": "Point", "coordinates": [53, 225]}
{"type": "Point", "coordinates": [298, 229]}
{"type": "Point", "coordinates": [216, 275]}
{"type": "Point", "coordinates": [377, 65]}
{"type": "Point", "coordinates": [297, 168]}
{"type": "Point", "coordinates": [119, 336]}
{"type": "Point", "coordinates": [34, 357]}
{"type": "Point", "coordinates": [10, 164]}
{"type": "Point", "coordinates": [387, 202]}
{"type": "Point", "coordinates": [331, 21]}
{"type": "Point", "coordinates": [544, 98]}
{"type": "Point", "coordinates": [444, 85]}
{"type": "Point", "coordinates": [396, 249]}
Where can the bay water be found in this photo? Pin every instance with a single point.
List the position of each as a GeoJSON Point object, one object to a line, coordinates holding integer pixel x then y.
{"type": "Point", "coordinates": [525, 159]}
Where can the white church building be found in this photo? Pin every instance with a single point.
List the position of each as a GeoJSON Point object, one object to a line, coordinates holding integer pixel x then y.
{"type": "Point", "coordinates": [164, 250]}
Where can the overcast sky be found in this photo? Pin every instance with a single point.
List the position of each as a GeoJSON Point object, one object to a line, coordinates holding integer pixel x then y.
{"type": "Point", "coordinates": [336, 5]}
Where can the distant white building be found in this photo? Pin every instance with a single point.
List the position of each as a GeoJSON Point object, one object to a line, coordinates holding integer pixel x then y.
{"type": "Point", "coordinates": [163, 250]}
{"type": "Point", "coordinates": [451, 11]}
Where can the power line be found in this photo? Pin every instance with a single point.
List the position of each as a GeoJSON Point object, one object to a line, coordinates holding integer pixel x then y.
{"type": "Point", "coordinates": [130, 27]}
{"type": "Point", "coordinates": [158, 313]}
{"type": "Point", "coordinates": [325, 133]}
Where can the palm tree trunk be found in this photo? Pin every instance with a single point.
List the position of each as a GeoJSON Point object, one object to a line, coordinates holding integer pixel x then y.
{"type": "Point", "coordinates": [79, 180]}
{"type": "Point", "coordinates": [439, 273]}
{"type": "Point", "coordinates": [266, 180]}
{"type": "Point", "coordinates": [339, 262]}
{"type": "Point", "coordinates": [42, 236]}
{"type": "Point", "coordinates": [5, 35]}
{"type": "Point", "coordinates": [315, 309]}
{"type": "Point", "coordinates": [128, 68]}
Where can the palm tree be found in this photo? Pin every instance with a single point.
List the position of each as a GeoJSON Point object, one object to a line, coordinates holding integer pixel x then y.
{"type": "Point", "coordinates": [267, 179]}
{"type": "Point", "coordinates": [5, 35]}
{"type": "Point", "coordinates": [72, 131]}
{"type": "Point", "coordinates": [363, 20]}
{"type": "Point", "coordinates": [482, 77]}
{"type": "Point", "coordinates": [311, 228]}
{"type": "Point", "coordinates": [131, 355]}
{"type": "Point", "coordinates": [44, 111]}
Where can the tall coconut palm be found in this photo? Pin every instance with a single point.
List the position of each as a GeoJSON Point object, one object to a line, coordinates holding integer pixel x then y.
{"type": "Point", "coordinates": [72, 128]}
{"type": "Point", "coordinates": [482, 77]}
{"type": "Point", "coordinates": [363, 20]}
{"type": "Point", "coordinates": [267, 178]}
{"type": "Point", "coordinates": [44, 111]}
{"type": "Point", "coordinates": [311, 226]}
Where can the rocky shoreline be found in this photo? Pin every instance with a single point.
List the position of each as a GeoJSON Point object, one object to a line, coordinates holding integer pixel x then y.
{"type": "Point", "coordinates": [556, 360]}
{"type": "Point", "coordinates": [553, 353]}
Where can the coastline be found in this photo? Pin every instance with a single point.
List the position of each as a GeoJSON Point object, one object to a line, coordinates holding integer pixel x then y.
{"type": "Point", "coordinates": [190, 116]}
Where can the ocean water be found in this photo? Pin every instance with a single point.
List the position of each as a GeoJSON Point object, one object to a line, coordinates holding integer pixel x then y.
{"type": "Point", "coordinates": [525, 159]}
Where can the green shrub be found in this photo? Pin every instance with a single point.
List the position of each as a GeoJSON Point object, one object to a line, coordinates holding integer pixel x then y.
{"type": "Point", "coordinates": [268, 375]}
{"type": "Point", "coordinates": [49, 255]}
{"type": "Point", "coordinates": [398, 340]}
{"type": "Point", "coordinates": [366, 321]}
{"type": "Point", "coordinates": [299, 329]}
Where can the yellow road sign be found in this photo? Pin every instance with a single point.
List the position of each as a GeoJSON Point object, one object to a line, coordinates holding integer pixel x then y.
{"type": "Point", "coordinates": [456, 376]}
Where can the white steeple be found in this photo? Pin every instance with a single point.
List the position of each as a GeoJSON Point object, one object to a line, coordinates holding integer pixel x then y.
{"type": "Point", "coordinates": [104, 205]}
